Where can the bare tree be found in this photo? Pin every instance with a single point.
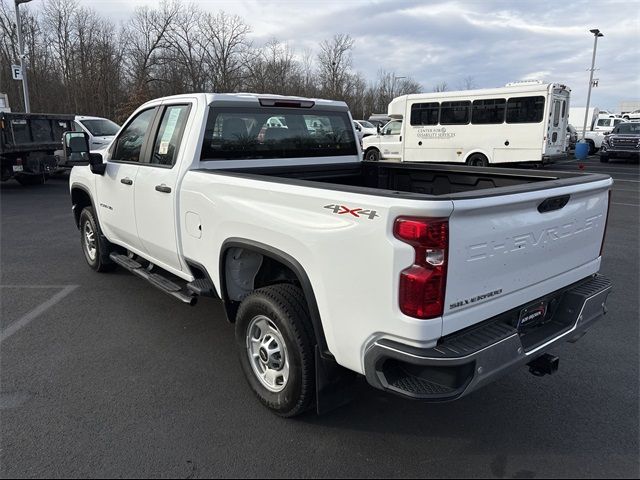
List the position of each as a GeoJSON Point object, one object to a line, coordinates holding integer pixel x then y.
{"type": "Point", "coordinates": [80, 63]}
{"type": "Point", "coordinates": [187, 44]}
{"type": "Point", "coordinates": [147, 36]}
{"type": "Point", "coordinates": [225, 45]}
{"type": "Point", "coordinates": [468, 83]}
{"type": "Point", "coordinates": [441, 87]}
{"type": "Point", "coordinates": [334, 69]}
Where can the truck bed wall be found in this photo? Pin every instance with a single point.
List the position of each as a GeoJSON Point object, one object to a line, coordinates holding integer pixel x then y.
{"type": "Point", "coordinates": [424, 179]}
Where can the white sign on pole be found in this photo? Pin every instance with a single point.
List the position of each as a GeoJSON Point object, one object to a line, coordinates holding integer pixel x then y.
{"type": "Point", "coordinates": [16, 72]}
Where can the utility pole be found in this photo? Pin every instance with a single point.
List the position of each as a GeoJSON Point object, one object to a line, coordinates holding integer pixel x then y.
{"type": "Point", "coordinates": [596, 34]}
{"type": "Point", "coordinates": [23, 68]}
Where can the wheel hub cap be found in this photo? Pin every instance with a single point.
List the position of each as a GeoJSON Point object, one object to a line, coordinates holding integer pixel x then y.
{"type": "Point", "coordinates": [89, 238]}
{"type": "Point", "coordinates": [267, 353]}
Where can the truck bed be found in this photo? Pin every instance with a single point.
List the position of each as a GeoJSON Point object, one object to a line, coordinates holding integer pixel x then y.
{"type": "Point", "coordinates": [416, 180]}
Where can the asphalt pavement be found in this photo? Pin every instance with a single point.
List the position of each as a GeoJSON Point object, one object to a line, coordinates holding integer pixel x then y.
{"type": "Point", "coordinates": [102, 375]}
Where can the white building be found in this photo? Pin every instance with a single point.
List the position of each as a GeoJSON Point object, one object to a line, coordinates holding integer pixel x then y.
{"type": "Point", "coordinates": [627, 106]}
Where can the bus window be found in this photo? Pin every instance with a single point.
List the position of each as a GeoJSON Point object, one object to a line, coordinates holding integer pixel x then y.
{"type": "Point", "coordinates": [455, 113]}
{"type": "Point", "coordinates": [424, 113]}
{"type": "Point", "coordinates": [564, 108]}
{"type": "Point", "coordinates": [525, 110]}
{"type": "Point", "coordinates": [488, 111]}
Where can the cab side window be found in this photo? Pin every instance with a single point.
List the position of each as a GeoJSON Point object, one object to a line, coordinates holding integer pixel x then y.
{"type": "Point", "coordinates": [394, 128]}
{"type": "Point", "coordinates": [130, 141]}
{"type": "Point", "coordinates": [165, 147]}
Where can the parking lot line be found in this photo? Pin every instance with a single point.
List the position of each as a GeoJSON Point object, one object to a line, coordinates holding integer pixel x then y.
{"type": "Point", "coordinates": [39, 310]}
{"type": "Point", "coordinates": [627, 204]}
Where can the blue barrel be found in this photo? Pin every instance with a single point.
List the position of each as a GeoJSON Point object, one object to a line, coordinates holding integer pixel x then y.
{"type": "Point", "coordinates": [582, 150]}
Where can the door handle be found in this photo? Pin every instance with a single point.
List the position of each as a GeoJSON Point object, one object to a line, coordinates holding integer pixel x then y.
{"type": "Point", "coordinates": [126, 181]}
{"type": "Point", "coordinates": [163, 188]}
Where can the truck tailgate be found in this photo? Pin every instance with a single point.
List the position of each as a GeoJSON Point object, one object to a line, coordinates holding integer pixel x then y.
{"type": "Point", "coordinates": [507, 250]}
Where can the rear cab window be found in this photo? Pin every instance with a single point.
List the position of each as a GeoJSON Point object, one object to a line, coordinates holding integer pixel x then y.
{"type": "Point", "coordinates": [167, 141]}
{"type": "Point", "coordinates": [242, 133]}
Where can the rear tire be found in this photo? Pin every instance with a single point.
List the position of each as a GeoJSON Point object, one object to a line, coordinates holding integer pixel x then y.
{"type": "Point", "coordinates": [276, 348]}
{"type": "Point", "coordinates": [92, 246]}
{"type": "Point", "coordinates": [372, 155]}
{"type": "Point", "coordinates": [592, 147]}
{"type": "Point", "coordinates": [478, 160]}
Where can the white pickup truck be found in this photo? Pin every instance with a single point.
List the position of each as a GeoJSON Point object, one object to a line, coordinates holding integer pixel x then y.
{"type": "Point", "coordinates": [429, 280]}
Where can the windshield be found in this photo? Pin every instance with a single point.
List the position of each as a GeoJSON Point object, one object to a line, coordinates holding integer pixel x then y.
{"type": "Point", "coordinates": [101, 127]}
{"type": "Point", "coordinates": [628, 128]}
{"type": "Point", "coordinates": [366, 124]}
{"type": "Point", "coordinates": [254, 133]}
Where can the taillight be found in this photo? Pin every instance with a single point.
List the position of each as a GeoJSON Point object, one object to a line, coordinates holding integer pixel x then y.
{"type": "Point", "coordinates": [606, 223]}
{"type": "Point", "coordinates": [422, 285]}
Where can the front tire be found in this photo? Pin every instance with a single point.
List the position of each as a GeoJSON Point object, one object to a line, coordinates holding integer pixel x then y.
{"type": "Point", "coordinates": [92, 247]}
{"type": "Point", "coordinates": [276, 348]}
{"type": "Point", "coordinates": [372, 155]}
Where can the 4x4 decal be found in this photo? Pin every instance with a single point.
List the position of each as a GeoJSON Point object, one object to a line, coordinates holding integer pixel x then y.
{"type": "Point", "coordinates": [356, 212]}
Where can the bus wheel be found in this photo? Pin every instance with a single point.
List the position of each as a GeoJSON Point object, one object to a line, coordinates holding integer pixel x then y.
{"type": "Point", "coordinates": [478, 160]}
{"type": "Point", "coordinates": [373, 155]}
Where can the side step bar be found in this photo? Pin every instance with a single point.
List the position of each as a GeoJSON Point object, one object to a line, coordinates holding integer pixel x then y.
{"type": "Point", "coordinates": [155, 279]}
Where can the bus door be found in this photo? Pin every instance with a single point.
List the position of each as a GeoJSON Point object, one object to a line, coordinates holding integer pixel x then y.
{"type": "Point", "coordinates": [556, 137]}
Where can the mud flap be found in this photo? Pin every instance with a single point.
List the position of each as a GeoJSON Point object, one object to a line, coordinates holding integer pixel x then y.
{"type": "Point", "coordinates": [334, 384]}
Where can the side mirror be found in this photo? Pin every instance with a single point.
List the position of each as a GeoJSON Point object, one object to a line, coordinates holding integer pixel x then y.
{"type": "Point", "coordinates": [76, 152]}
{"type": "Point", "coordinates": [378, 129]}
{"type": "Point", "coordinates": [358, 127]}
{"type": "Point", "coordinates": [76, 148]}
{"type": "Point", "coordinates": [96, 163]}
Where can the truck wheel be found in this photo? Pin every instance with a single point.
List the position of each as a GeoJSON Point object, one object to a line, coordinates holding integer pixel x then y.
{"type": "Point", "coordinates": [478, 160]}
{"type": "Point", "coordinates": [592, 147]}
{"type": "Point", "coordinates": [26, 180]}
{"type": "Point", "coordinates": [90, 240]}
{"type": "Point", "coordinates": [372, 155]}
{"type": "Point", "coordinates": [275, 344]}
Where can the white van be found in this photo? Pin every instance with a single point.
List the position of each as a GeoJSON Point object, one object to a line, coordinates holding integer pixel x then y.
{"type": "Point", "coordinates": [100, 130]}
{"type": "Point", "coordinates": [525, 122]}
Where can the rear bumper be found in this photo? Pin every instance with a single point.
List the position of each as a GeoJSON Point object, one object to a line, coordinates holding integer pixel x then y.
{"type": "Point", "coordinates": [554, 158]}
{"type": "Point", "coordinates": [467, 360]}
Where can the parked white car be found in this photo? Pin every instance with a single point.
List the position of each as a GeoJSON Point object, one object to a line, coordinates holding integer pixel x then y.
{"type": "Point", "coordinates": [365, 128]}
{"type": "Point", "coordinates": [100, 130]}
{"type": "Point", "coordinates": [429, 280]}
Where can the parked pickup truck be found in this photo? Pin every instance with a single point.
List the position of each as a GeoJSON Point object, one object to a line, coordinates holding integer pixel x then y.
{"type": "Point", "coordinates": [429, 280]}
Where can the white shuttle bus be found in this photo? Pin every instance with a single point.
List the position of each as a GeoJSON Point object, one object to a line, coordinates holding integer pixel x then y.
{"type": "Point", "coordinates": [522, 122]}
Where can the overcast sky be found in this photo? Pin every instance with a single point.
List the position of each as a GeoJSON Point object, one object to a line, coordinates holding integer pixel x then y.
{"type": "Point", "coordinates": [495, 42]}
